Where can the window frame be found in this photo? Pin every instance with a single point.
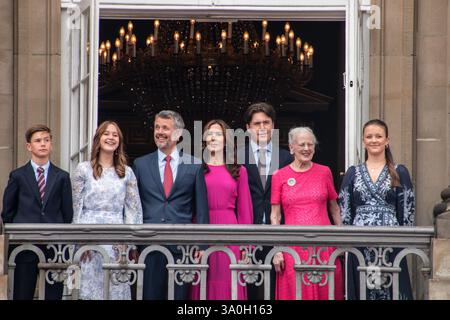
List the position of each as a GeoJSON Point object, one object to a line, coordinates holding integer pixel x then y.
{"type": "Point", "coordinates": [355, 79]}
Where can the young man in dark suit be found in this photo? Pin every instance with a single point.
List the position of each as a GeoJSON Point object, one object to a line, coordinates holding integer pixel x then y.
{"type": "Point", "coordinates": [173, 190]}
{"type": "Point", "coordinates": [38, 192]}
{"type": "Point", "coordinates": [262, 158]}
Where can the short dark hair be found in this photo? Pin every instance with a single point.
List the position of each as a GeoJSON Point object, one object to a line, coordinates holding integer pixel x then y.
{"type": "Point", "coordinates": [36, 128]}
{"type": "Point", "coordinates": [264, 107]}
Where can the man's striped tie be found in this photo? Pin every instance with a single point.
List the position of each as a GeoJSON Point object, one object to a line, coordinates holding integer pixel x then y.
{"type": "Point", "coordinates": [41, 182]}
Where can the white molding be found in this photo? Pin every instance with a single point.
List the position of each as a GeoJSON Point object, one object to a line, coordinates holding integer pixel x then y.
{"type": "Point", "coordinates": [295, 13]}
{"type": "Point", "coordinates": [65, 94]}
{"type": "Point", "coordinates": [69, 3]}
{"type": "Point", "coordinates": [353, 101]}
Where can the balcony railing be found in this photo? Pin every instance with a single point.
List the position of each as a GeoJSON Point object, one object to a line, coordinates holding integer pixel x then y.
{"type": "Point", "coordinates": [69, 242]}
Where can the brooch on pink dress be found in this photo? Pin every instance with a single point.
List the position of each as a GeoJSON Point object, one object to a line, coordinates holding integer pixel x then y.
{"type": "Point", "coordinates": [291, 182]}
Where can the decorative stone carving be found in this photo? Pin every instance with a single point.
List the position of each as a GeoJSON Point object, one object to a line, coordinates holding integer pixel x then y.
{"type": "Point", "coordinates": [444, 206]}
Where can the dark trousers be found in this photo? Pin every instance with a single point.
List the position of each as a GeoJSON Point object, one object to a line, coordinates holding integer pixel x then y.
{"type": "Point", "coordinates": [257, 292]}
{"type": "Point", "coordinates": [25, 278]}
{"type": "Point", "coordinates": [156, 277]}
{"type": "Point", "coordinates": [352, 279]}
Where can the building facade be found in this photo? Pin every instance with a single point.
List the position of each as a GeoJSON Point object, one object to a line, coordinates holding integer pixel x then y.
{"type": "Point", "coordinates": [405, 77]}
{"type": "Point", "coordinates": [397, 66]}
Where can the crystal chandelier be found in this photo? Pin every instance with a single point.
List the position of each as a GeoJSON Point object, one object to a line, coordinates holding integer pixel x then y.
{"type": "Point", "coordinates": [206, 68]}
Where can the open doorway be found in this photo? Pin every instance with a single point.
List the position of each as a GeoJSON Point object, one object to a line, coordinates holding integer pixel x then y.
{"type": "Point", "coordinates": [320, 103]}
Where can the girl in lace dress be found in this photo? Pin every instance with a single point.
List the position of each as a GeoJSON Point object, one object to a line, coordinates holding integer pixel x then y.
{"type": "Point", "coordinates": [105, 192]}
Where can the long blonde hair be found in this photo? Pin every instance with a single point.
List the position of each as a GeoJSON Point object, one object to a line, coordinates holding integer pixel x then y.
{"type": "Point", "coordinates": [119, 157]}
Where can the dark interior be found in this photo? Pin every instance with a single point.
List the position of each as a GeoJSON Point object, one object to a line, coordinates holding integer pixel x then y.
{"type": "Point", "coordinates": [223, 87]}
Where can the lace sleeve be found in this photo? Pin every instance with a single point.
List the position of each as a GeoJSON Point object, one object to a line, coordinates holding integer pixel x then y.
{"type": "Point", "coordinates": [133, 206]}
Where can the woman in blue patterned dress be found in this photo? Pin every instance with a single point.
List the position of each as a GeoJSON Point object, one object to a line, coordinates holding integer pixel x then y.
{"type": "Point", "coordinates": [105, 192]}
{"type": "Point", "coordinates": [377, 193]}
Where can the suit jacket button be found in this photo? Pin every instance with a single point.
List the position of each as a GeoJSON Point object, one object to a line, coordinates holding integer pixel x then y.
{"type": "Point", "coordinates": [43, 213]}
{"type": "Point", "coordinates": [163, 220]}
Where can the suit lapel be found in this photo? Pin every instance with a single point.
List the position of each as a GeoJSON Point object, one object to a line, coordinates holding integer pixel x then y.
{"type": "Point", "coordinates": [274, 166]}
{"type": "Point", "coordinates": [51, 178]}
{"type": "Point", "coordinates": [274, 161]}
{"type": "Point", "coordinates": [154, 170]}
{"type": "Point", "coordinates": [253, 168]}
{"type": "Point", "coordinates": [31, 179]}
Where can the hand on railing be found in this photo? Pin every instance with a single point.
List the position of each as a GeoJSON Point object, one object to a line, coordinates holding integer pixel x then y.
{"type": "Point", "coordinates": [278, 261]}
{"type": "Point", "coordinates": [245, 259]}
{"type": "Point", "coordinates": [134, 255]}
{"type": "Point", "coordinates": [199, 254]}
{"type": "Point", "coordinates": [86, 256]}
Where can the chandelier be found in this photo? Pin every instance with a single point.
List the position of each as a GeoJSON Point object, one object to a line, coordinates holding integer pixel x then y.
{"type": "Point", "coordinates": [206, 69]}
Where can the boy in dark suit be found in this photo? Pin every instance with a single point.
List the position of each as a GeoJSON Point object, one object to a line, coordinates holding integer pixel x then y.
{"type": "Point", "coordinates": [262, 159]}
{"type": "Point", "coordinates": [38, 192]}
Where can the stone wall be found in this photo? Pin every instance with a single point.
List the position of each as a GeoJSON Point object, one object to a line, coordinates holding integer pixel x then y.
{"type": "Point", "coordinates": [37, 54]}
{"type": "Point", "coordinates": [410, 90]}
{"type": "Point", "coordinates": [432, 118]}
{"type": "Point", "coordinates": [439, 285]}
{"type": "Point", "coordinates": [3, 270]}
{"type": "Point", "coordinates": [30, 86]}
{"type": "Point", "coordinates": [7, 119]}
{"type": "Point", "coordinates": [392, 74]}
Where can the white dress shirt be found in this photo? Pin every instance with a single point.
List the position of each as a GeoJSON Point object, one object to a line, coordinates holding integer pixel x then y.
{"type": "Point", "coordinates": [36, 173]}
{"type": "Point", "coordinates": [256, 150]}
{"type": "Point", "coordinates": [268, 148]}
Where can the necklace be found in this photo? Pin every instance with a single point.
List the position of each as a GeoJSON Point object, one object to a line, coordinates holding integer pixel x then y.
{"type": "Point", "coordinates": [374, 169]}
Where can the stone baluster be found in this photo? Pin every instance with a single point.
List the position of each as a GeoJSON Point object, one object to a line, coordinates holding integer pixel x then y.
{"type": "Point", "coordinates": [439, 285]}
{"type": "Point", "coordinates": [3, 267]}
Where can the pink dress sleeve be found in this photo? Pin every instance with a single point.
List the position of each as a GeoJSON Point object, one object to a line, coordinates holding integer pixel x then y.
{"type": "Point", "coordinates": [275, 191]}
{"type": "Point", "coordinates": [244, 199]}
{"type": "Point", "coordinates": [332, 194]}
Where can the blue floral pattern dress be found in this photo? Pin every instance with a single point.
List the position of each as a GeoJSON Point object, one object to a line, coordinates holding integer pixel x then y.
{"type": "Point", "coordinates": [107, 200]}
{"type": "Point", "coordinates": [367, 203]}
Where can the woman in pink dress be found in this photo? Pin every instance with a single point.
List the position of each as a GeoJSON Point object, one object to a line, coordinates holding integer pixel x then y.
{"type": "Point", "coordinates": [306, 192]}
{"type": "Point", "coordinates": [229, 202]}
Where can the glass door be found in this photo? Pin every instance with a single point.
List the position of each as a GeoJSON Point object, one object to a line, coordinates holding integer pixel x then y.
{"type": "Point", "coordinates": [83, 80]}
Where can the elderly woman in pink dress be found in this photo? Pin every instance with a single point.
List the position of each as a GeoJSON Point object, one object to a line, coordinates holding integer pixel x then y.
{"type": "Point", "coordinates": [306, 193]}
{"type": "Point", "coordinates": [229, 202]}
